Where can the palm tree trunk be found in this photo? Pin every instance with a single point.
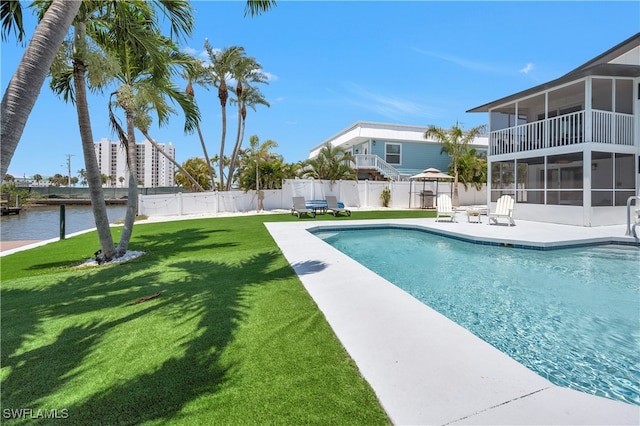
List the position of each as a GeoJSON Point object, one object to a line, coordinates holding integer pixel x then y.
{"type": "Point", "coordinates": [174, 162]}
{"type": "Point", "coordinates": [91, 163]}
{"type": "Point", "coordinates": [23, 89]}
{"type": "Point", "coordinates": [236, 150]}
{"type": "Point", "coordinates": [456, 199]}
{"type": "Point", "coordinates": [132, 193]}
{"type": "Point", "coordinates": [224, 135]}
{"type": "Point", "coordinates": [206, 158]}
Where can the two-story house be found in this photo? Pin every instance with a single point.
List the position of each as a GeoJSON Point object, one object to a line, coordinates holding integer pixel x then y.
{"type": "Point", "coordinates": [391, 151]}
{"type": "Point", "coordinates": [568, 150]}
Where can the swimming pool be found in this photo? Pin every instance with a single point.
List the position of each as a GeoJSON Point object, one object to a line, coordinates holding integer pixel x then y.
{"type": "Point", "coordinates": [571, 315]}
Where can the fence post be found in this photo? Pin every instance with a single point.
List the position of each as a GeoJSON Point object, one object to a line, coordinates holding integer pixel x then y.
{"type": "Point", "coordinates": [62, 221]}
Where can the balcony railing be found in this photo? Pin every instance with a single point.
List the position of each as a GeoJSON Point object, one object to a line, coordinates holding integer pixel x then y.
{"type": "Point", "coordinates": [373, 162]}
{"type": "Point", "coordinates": [606, 127]}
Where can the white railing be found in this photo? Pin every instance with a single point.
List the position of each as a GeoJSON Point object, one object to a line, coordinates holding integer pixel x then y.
{"type": "Point", "coordinates": [373, 162]}
{"type": "Point", "coordinates": [568, 129]}
{"type": "Point", "coordinates": [614, 128]}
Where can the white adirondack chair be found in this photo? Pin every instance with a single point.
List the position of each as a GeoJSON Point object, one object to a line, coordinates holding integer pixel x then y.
{"type": "Point", "coordinates": [444, 208]}
{"type": "Point", "coordinates": [504, 210]}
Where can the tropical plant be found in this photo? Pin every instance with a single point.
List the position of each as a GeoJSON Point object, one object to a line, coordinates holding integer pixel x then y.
{"type": "Point", "coordinates": [83, 177]}
{"type": "Point", "coordinates": [332, 163]}
{"type": "Point", "coordinates": [198, 171]}
{"type": "Point", "coordinates": [37, 178]}
{"type": "Point", "coordinates": [385, 196]}
{"type": "Point", "coordinates": [257, 158]}
{"type": "Point", "coordinates": [455, 143]}
{"type": "Point", "coordinates": [23, 89]}
{"type": "Point", "coordinates": [59, 180]}
{"type": "Point", "coordinates": [472, 169]}
{"type": "Point", "coordinates": [11, 12]}
{"type": "Point", "coordinates": [100, 29]}
{"type": "Point", "coordinates": [245, 71]}
{"type": "Point", "coordinates": [197, 73]}
{"type": "Point", "coordinates": [221, 67]}
{"type": "Point", "coordinates": [145, 70]}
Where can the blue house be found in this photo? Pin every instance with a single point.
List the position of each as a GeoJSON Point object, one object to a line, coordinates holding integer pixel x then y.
{"type": "Point", "coordinates": [391, 151]}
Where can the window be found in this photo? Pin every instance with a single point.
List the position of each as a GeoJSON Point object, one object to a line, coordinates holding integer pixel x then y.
{"type": "Point", "coordinates": [565, 179]}
{"type": "Point", "coordinates": [612, 178]}
{"type": "Point", "coordinates": [392, 153]}
{"type": "Point", "coordinates": [502, 179]}
{"type": "Point", "coordinates": [530, 180]}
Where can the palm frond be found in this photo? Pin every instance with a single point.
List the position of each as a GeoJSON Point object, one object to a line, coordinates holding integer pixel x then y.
{"type": "Point", "coordinates": [256, 7]}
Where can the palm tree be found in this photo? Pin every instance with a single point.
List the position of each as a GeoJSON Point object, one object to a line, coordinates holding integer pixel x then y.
{"type": "Point", "coordinates": [246, 70]}
{"type": "Point", "coordinates": [472, 169]}
{"type": "Point", "coordinates": [38, 178]}
{"type": "Point", "coordinates": [221, 67]}
{"type": "Point", "coordinates": [68, 80]}
{"type": "Point", "coordinates": [332, 163]}
{"type": "Point", "coordinates": [256, 154]}
{"type": "Point", "coordinates": [247, 96]}
{"type": "Point", "coordinates": [145, 75]}
{"type": "Point", "coordinates": [454, 142]}
{"type": "Point", "coordinates": [23, 89]}
{"type": "Point", "coordinates": [196, 73]}
{"type": "Point", "coordinates": [100, 28]}
{"type": "Point", "coordinates": [198, 170]}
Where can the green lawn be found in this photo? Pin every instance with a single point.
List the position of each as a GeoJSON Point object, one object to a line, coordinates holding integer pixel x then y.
{"type": "Point", "coordinates": [233, 339]}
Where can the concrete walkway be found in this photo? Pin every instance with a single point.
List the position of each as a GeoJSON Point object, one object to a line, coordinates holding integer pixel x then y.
{"type": "Point", "coordinates": [424, 368]}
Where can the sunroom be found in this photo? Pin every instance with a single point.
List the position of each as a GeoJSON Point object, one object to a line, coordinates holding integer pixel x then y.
{"type": "Point", "coordinates": [569, 149]}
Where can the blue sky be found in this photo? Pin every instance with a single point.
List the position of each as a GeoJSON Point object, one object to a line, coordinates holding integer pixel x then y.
{"type": "Point", "coordinates": [332, 63]}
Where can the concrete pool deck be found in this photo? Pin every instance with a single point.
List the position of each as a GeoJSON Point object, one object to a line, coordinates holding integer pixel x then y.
{"type": "Point", "coordinates": [424, 368]}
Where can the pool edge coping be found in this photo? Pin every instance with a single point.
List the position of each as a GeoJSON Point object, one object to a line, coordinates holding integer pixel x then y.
{"type": "Point", "coordinates": [585, 408]}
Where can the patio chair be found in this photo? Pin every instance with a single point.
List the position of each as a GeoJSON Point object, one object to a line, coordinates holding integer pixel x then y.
{"type": "Point", "coordinates": [332, 204]}
{"type": "Point", "coordinates": [504, 210]}
{"type": "Point", "coordinates": [300, 207]}
{"type": "Point", "coordinates": [444, 208]}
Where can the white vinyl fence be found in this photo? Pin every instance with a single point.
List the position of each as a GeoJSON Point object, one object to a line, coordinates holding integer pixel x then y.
{"type": "Point", "coordinates": [355, 195]}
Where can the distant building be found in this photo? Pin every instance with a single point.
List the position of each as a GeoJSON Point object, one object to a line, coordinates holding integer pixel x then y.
{"type": "Point", "coordinates": [392, 151]}
{"type": "Point", "coordinates": [153, 168]}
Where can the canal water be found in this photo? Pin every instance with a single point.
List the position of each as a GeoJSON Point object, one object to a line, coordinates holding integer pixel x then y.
{"type": "Point", "coordinates": [43, 223]}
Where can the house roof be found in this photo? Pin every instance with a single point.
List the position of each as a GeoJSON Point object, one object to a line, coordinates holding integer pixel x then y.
{"type": "Point", "coordinates": [610, 63]}
{"type": "Point", "coordinates": [362, 131]}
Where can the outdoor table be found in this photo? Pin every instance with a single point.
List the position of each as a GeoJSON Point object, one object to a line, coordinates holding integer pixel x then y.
{"type": "Point", "coordinates": [475, 215]}
{"type": "Point", "coordinates": [317, 206]}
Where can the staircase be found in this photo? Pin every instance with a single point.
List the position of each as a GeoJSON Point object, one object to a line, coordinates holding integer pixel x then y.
{"type": "Point", "coordinates": [370, 162]}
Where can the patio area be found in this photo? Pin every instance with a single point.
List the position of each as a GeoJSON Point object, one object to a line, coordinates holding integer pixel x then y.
{"type": "Point", "coordinates": [424, 368]}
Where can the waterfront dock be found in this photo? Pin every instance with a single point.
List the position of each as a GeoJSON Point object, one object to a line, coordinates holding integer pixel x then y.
{"type": "Point", "coordinates": [6, 210]}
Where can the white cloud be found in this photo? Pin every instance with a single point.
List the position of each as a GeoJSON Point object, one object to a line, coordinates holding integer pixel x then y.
{"type": "Point", "coordinates": [200, 54]}
{"type": "Point", "coordinates": [392, 107]}
{"type": "Point", "coordinates": [462, 62]}
{"type": "Point", "coordinates": [527, 68]}
{"type": "Point", "coordinates": [270, 77]}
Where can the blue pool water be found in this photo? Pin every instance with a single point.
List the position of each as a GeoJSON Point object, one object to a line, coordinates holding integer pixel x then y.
{"type": "Point", "coordinates": [571, 315]}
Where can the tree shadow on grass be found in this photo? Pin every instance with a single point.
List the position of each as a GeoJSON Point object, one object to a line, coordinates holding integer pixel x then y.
{"type": "Point", "coordinates": [169, 243]}
{"type": "Point", "coordinates": [85, 316]}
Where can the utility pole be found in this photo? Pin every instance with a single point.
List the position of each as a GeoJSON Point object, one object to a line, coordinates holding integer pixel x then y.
{"type": "Point", "coordinates": [69, 169]}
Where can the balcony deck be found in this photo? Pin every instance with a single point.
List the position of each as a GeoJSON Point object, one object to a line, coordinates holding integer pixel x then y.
{"type": "Point", "coordinates": [569, 129]}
